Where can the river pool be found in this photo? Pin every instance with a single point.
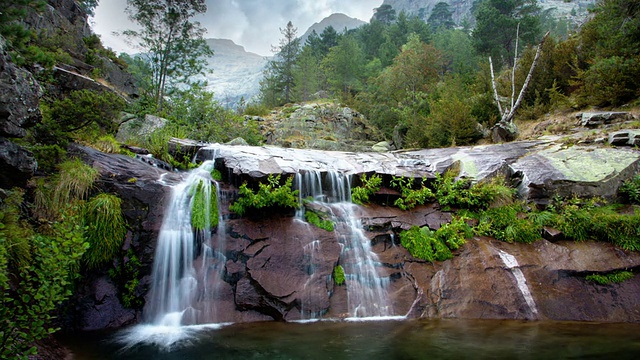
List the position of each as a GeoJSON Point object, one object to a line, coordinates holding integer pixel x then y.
{"type": "Point", "coordinates": [390, 339]}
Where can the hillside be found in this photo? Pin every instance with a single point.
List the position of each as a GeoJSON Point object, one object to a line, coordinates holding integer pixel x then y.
{"type": "Point", "coordinates": [338, 21]}
{"type": "Point", "coordinates": [236, 73]}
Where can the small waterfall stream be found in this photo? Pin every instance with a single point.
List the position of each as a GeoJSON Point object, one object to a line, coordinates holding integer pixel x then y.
{"type": "Point", "coordinates": [366, 290]}
{"type": "Point", "coordinates": [512, 264]}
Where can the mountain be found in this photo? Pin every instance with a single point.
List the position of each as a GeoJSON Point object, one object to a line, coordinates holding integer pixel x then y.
{"type": "Point", "coordinates": [338, 21]}
{"type": "Point", "coordinates": [461, 9]}
{"type": "Point", "coordinates": [236, 72]}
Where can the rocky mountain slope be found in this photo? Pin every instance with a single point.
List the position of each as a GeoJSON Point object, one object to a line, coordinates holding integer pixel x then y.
{"type": "Point", "coordinates": [235, 74]}
{"type": "Point", "coordinates": [461, 9]}
{"type": "Point", "coordinates": [338, 21]}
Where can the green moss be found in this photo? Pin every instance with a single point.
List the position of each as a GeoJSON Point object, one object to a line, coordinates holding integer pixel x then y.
{"type": "Point", "coordinates": [338, 275]}
{"type": "Point", "coordinates": [610, 278]}
{"type": "Point", "coordinates": [314, 219]}
{"type": "Point", "coordinates": [105, 229]}
{"type": "Point", "coordinates": [200, 209]}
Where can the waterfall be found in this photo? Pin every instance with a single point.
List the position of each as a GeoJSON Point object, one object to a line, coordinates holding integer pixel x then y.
{"type": "Point", "coordinates": [176, 281]}
{"type": "Point", "coordinates": [366, 290]}
{"type": "Point", "coordinates": [512, 264]}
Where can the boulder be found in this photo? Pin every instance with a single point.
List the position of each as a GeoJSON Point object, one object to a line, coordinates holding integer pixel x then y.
{"type": "Point", "coordinates": [504, 132]}
{"type": "Point", "coordinates": [19, 98]}
{"type": "Point", "coordinates": [629, 137]}
{"type": "Point", "coordinates": [593, 119]}
{"type": "Point", "coordinates": [17, 165]}
{"type": "Point", "coordinates": [583, 171]}
{"type": "Point", "coordinates": [137, 129]}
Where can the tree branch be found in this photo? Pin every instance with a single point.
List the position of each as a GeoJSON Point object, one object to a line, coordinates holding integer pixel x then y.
{"type": "Point", "coordinates": [495, 91]}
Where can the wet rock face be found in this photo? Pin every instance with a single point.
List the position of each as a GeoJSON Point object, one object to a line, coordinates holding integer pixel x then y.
{"type": "Point", "coordinates": [479, 284]}
{"type": "Point", "coordinates": [143, 189]}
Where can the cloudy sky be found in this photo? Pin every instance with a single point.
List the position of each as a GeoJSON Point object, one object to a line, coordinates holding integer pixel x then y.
{"type": "Point", "coordinates": [253, 24]}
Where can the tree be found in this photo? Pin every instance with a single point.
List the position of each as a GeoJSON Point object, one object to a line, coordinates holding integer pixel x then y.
{"type": "Point", "coordinates": [441, 16]}
{"type": "Point", "coordinates": [344, 66]}
{"type": "Point", "coordinates": [496, 23]}
{"type": "Point", "coordinates": [12, 11]}
{"type": "Point", "coordinates": [328, 39]}
{"type": "Point", "coordinates": [88, 5]}
{"type": "Point", "coordinates": [385, 14]}
{"type": "Point", "coordinates": [172, 44]}
{"type": "Point", "coordinates": [307, 74]}
{"type": "Point", "coordinates": [279, 77]}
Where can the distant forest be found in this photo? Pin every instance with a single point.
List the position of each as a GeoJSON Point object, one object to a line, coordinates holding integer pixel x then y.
{"type": "Point", "coordinates": [430, 81]}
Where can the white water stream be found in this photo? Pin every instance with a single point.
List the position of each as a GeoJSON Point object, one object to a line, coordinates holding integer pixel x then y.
{"type": "Point", "coordinates": [366, 289]}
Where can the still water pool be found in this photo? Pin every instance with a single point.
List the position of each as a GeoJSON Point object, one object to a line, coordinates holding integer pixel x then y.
{"type": "Point", "coordinates": [369, 340]}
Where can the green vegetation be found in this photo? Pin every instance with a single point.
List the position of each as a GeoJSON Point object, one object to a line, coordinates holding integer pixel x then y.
{"type": "Point", "coordinates": [410, 196]}
{"type": "Point", "coordinates": [464, 195]}
{"type": "Point", "coordinates": [36, 274]}
{"type": "Point", "coordinates": [204, 214]}
{"type": "Point", "coordinates": [423, 243]}
{"type": "Point", "coordinates": [338, 275]}
{"type": "Point", "coordinates": [610, 278]}
{"type": "Point", "coordinates": [269, 194]}
{"type": "Point", "coordinates": [105, 229]}
{"type": "Point", "coordinates": [127, 276]}
{"type": "Point", "coordinates": [314, 219]}
{"type": "Point", "coordinates": [631, 190]}
{"type": "Point", "coordinates": [370, 185]}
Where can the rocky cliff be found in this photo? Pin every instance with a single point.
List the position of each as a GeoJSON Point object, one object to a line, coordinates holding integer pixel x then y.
{"type": "Point", "coordinates": [268, 256]}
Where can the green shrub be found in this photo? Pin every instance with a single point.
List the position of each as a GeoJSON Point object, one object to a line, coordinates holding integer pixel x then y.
{"type": "Point", "coordinates": [338, 275]}
{"type": "Point", "coordinates": [269, 194]}
{"type": "Point", "coordinates": [48, 156]}
{"type": "Point", "coordinates": [610, 278]}
{"type": "Point", "coordinates": [201, 208]}
{"type": "Point", "coordinates": [510, 224]}
{"type": "Point", "coordinates": [127, 276]}
{"type": "Point", "coordinates": [31, 292]}
{"type": "Point", "coordinates": [631, 190]}
{"type": "Point", "coordinates": [410, 196]}
{"type": "Point", "coordinates": [464, 195]}
{"type": "Point", "coordinates": [314, 219]}
{"type": "Point", "coordinates": [610, 81]}
{"type": "Point", "coordinates": [105, 229]}
{"type": "Point", "coordinates": [370, 185]}
{"type": "Point", "coordinates": [426, 244]}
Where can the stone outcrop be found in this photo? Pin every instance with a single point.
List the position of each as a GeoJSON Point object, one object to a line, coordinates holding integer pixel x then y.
{"type": "Point", "coordinates": [320, 126]}
{"type": "Point", "coordinates": [143, 189]}
{"type": "Point", "coordinates": [541, 168]}
{"type": "Point", "coordinates": [598, 118]}
{"type": "Point", "coordinates": [17, 165]}
{"type": "Point", "coordinates": [19, 110]}
{"type": "Point", "coordinates": [19, 98]}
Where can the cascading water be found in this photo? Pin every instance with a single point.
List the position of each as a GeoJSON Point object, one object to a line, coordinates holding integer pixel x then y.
{"type": "Point", "coordinates": [366, 290]}
{"type": "Point", "coordinates": [176, 284]}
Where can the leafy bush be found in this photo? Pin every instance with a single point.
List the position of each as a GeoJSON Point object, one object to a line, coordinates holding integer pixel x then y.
{"type": "Point", "coordinates": [370, 185]}
{"type": "Point", "coordinates": [510, 224]}
{"type": "Point", "coordinates": [464, 195]}
{"type": "Point", "coordinates": [611, 278]}
{"type": "Point", "coordinates": [314, 219]}
{"type": "Point", "coordinates": [631, 190]}
{"type": "Point", "coordinates": [204, 214]}
{"type": "Point", "coordinates": [410, 196]}
{"type": "Point", "coordinates": [610, 81]}
{"type": "Point", "coordinates": [426, 244]}
{"type": "Point", "coordinates": [338, 275]}
{"type": "Point", "coordinates": [105, 229]}
{"type": "Point", "coordinates": [127, 276]}
{"type": "Point", "coordinates": [269, 194]}
{"type": "Point", "coordinates": [30, 292]}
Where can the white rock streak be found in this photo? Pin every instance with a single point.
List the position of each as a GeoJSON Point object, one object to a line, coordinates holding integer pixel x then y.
{"type": "Point", "coordinates": [512, 264]}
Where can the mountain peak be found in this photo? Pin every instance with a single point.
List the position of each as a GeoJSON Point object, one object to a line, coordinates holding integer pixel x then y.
{"type": "Point", "coordinates": [338, 21]}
